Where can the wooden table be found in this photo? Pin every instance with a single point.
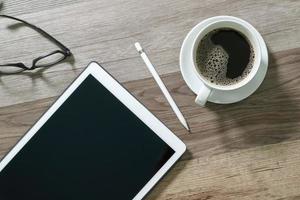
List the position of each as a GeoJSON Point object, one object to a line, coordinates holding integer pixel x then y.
{"type": "Point", "coordinates": [247, 150]}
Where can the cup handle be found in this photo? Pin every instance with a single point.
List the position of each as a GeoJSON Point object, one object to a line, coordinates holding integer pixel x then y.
{"type": "Point", "coordinates": [203, 95]}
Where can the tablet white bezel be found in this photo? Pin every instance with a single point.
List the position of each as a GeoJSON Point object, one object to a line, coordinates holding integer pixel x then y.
{"type": "Point", "coordinates": [130, 102]}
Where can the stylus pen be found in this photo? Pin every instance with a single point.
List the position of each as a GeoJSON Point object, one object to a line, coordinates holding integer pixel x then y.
{"type": "Point", "coordinates": [161, 85]}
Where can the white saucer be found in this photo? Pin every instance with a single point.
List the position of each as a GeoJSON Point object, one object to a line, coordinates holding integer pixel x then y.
{"type": "Point", "coordinates": [194, 83]}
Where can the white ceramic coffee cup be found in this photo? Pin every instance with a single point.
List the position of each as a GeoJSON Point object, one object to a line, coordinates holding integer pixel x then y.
{"type": "Point", "coordinates": [249, 32]}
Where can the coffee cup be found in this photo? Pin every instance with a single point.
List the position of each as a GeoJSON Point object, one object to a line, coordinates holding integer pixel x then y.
{"type": "Point", "coordinates": [245, 29]}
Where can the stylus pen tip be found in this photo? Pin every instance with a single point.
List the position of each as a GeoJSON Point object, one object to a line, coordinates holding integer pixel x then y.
{"type": "Point", "coordinates": [186, 125]}
{"type": "Point", "coordinates": [188, 129]}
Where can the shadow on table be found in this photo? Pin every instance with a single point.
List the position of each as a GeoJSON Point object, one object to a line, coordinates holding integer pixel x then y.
{"type": "Point", "coordinates": [169, 177]}
{"type": "Point", "coordinates": [36, 74]}
{"type": "Point", "coordinates": [271, 115]}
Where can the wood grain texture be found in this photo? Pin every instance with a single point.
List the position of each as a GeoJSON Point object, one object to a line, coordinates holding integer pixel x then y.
{"type": "Point", "coordinates": [247, 150]}
{"type": "Point", "coordinates": [105, 31]}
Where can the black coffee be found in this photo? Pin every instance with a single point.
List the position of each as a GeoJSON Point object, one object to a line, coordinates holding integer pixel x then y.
{"type": "Point", "coordinates": [225, 56]}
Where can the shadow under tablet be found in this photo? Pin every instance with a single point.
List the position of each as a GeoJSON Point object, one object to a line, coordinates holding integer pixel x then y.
{"type": "Point", "coordinates": [92, 147]}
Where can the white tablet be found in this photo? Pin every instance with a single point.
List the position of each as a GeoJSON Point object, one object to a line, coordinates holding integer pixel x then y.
{"type": "Point", "coordinates": [95, 142]}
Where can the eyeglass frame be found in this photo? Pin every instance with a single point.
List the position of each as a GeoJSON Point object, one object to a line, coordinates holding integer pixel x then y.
{"type": "Point", "coordinates": [64, 50]}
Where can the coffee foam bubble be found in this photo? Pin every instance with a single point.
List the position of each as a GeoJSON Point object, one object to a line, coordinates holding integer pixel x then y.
{"type": "Point", "coordinates": [212, 62]}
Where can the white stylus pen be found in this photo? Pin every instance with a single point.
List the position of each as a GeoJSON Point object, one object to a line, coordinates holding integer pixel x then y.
{"type": "Point", "coordinates": [161, 85]}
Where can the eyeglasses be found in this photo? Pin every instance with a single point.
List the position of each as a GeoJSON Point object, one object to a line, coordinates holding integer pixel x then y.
{"type": "Point", "coordinates": [48, 60]}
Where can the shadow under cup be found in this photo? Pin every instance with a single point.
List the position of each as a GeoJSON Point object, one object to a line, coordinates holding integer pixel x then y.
{"type": "Point", "coordinates": [240, 26]}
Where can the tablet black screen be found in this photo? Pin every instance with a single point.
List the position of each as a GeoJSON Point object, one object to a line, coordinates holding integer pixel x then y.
{"type": "Point", "coordinates": [93, 147]}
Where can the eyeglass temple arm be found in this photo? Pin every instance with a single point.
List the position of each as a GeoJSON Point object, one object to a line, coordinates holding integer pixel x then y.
{"type": "Point", "coordinates": [40, 31]}
{"type": "Point", "coordinates": [20, 65]}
